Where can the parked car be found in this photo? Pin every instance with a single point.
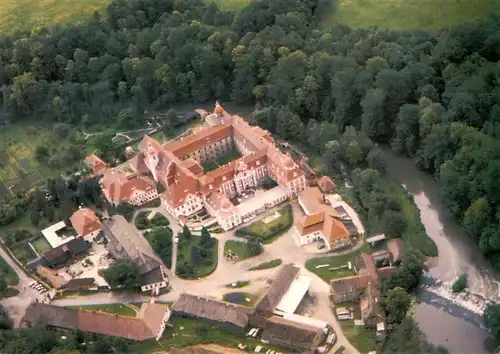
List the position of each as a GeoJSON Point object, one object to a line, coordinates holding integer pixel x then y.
{"type": "Point", "coordinates": [321, 246]}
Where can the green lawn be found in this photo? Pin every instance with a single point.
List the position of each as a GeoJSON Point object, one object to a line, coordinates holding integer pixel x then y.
{"type": "Point", "coordinates": [230, 5]}
{"type": "Point", "coordinates": [11, 292]}
{"type": "Point", "coordinates": [268, 232]}
{"type": "Point", "coordinates": [115, 309]}
{"type": "Point", "coordinates": [414, 235]}
{"type": "Point", "coordinates": [267, 265]}
{"type": "Point", "coordinates": [41, 245]}
{"type": "Point", "coordinates": [407, 15]}
{"type": "Point", "coordinates": [27, 14]}
{"type": "Point", "coordinates": [23, 253]}
{"type": "Point", "coordinates": [333, 262]}
{"type": "Point", "coordinates": [360, 337]}
{"type": "Point", "coordinates": [188, 332]}
{"type": "Point", "coordinates": [231, 155]}
{"type": "Point", "coordinates": [8, 272]}
{"type": "Point", "coordinates": [241, 298]}
{"type": "Point", "coordinates": [239, 249]}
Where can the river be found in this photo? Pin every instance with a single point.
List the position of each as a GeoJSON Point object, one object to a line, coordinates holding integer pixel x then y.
{"type": "Point", "coordinates": [457, 254]}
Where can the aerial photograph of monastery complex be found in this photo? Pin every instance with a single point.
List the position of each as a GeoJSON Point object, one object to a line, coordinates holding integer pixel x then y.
{"type": "Point", "coordinates": [249, 176]}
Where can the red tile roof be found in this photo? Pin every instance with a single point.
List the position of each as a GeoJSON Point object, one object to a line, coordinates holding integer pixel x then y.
{"type": "Point", "coordinates": [145, 326]}
{"type": "Point", "coordinates": [326, 184]}
{"type": "Point", "coordinates": [181, 178]}
{"type": "Point", "coordinates": [97, 165]}
{"type": "Point", "coordinates": [120, 187]}
{"type": "Point", "coordinates": [85, 221]}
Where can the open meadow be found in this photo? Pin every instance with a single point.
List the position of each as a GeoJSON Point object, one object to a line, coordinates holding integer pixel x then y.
{"type": "Point", "coordinates": [27, 14]}
{"type": "Point", "coordinates": [409, 14]}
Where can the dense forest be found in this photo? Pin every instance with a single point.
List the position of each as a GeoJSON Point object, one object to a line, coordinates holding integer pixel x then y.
{"type": "Point", "coordinates": [337, 92]}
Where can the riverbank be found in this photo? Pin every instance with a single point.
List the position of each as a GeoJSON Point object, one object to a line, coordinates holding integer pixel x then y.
{"type": "Point", "coordinates": [445, 323]}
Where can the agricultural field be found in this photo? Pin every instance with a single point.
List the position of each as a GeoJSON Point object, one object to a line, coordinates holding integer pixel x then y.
{"type": "Point", "coordinates": [27, 14]}
{"type": "Point", "coordinates": [18, 168]}
{"type": "Point", "coordinates": [409, 15]}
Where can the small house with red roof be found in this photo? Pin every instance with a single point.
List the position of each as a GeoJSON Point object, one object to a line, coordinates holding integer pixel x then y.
{"type": "Point", "coordinates": [86, 223]}
{"type": "Point", "coordinates": [97, 165]}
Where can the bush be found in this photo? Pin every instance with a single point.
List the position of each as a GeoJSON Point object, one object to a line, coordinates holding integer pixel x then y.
{"type": "Point", "coordinates": [124, 209]}
{"type": "Point", "coordinates": [267, 265]}
{"type": "Point", "coordinates": [161, 242]}
{"type": "Point", "coordinates": [460, 284]}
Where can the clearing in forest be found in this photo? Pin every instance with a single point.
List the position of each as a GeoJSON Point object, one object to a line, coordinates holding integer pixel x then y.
{"type": "Point", "coordinates": [409, 14]}
{"type": "Point", "coordinates": [27, 14]}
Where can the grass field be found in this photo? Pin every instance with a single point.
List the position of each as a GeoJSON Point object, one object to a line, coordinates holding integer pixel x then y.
{"type": "Point", "coordinates": [409, 14]}
{"type": "Point", "coordinates": [333, 262]}
{"type": "Point", "coordinates": [27, 14]}
{"type": "Point", "coordinates": [114, 309]}
{"type": "Point", "coordinates": [360, 337]}
{"type": "Point", "coordinates": [268, 232]}
{"type": "Point", "coordinates": [41, 245]}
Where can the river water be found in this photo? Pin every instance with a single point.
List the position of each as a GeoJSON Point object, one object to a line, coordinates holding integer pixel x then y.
{"type": "Point", "coordinates": [457, 254]}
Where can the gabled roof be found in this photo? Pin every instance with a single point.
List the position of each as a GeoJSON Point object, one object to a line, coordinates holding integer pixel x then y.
{"type": "Point", "coordinates": [326, 184]}
{"type": "Point", "coordinates": [278, 288]}
{"type": "Point", "coordinates": [213, 310]}
{"type": "Point", "coordinates": [146, 326]}
{"type": "Point", "coordinates": [80, 283]}
{"type": "Point", "coordinates": [184, 178]}
{"type": "Point", "coordinates": [281, 331]}
{"type": "Point", "coordinates": [309, 220]}
{"type": "Point", "coordinates": [97, 165]}
{"type": "Point", "coordinates": [75, 246]}
{"type": "Point", "coordinates": [120, 187]}
{"type": "Point", "coordinates": [152, 276]}
{"type": "Point", "coordinates": [344, 286]}
{"type": "Point", "coordinates": [85, 221]}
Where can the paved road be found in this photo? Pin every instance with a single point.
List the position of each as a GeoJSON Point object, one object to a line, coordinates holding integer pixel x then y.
{"type": "Point", "coordinates": [228, 271]}
{"type": "Point", "coordinates": [16, 306]}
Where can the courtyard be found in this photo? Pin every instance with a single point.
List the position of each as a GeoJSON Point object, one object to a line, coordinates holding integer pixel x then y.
{"type": "Point", "coordinates": [231, 155]}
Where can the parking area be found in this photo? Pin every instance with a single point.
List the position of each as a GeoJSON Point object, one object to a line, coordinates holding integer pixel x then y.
{"type": "Point", "coordinates": [89, 267]}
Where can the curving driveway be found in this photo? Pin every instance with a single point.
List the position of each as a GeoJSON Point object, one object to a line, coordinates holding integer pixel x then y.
{"type": "Point", "coordinates": [16, 306]}
{"type": "Point", "coordinates": [229, 271]}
